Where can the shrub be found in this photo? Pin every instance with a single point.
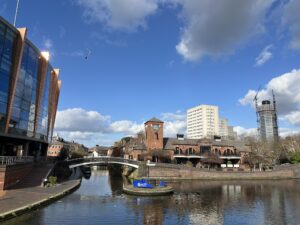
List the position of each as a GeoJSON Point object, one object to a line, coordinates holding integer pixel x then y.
{"type": "Point", "coordinates": [52, 181]}
{"type": "Point", "coordinates": [295, 158]}
{"type": "Point", "coordinates": [189, 164]}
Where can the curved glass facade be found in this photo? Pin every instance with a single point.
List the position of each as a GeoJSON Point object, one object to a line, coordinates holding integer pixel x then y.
{"type": "Point", "coordinates": [24, 104]}
{"type": "Point", "coordinates": [42, 124]}
{"type": "Point", "coordinates": [7, 44]}
{"type": "Point", "coordinates": [27, 103]}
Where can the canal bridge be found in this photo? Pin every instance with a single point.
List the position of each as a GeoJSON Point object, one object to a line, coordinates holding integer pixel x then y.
{"type": "Point", "coordinates": [102, 160]}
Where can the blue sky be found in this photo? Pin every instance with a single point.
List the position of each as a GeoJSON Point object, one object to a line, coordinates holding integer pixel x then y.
{"type": "Point", "coordinates": [160, 57]}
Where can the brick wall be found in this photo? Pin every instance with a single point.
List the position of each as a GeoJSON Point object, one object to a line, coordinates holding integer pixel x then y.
{"type": "Point", "coordinates": [154, 138]}
{"type": "Point", "coordinates": [193, 173]}
{"type": "Point", "coordinates": [11, 174]}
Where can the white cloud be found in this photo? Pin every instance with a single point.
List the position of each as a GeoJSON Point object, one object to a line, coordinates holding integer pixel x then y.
{"type": "Point", "coordinates": [118, 14]}
{"type": "Point", "coordinates": [291, 17]}
{"type": "Point", "coordinates": [174, 123]}
{"type": "Point", "coordinates": [178, 115]}
{"type": "Point", "coordinates": [126, 126]}
{"type": "Point", "coordinates": [47, 43]}
{"type": "Point", "coordinates": [91, 127]}
{"type": "Point", "coordinates": [245, 132]}
{"type": "Point", "coordinates": [284, 131]}
{"type": "Point", "coordinates": [88, 138]}
{"type": "Point", "coordinates": [293, 117]}
{"type": "Point", "coordinates": [171, 128]}
{"type": "Point", "coordinates": [252, 132]}
{"type": "Point", "coordinates": [213, 29]}
{"type": "Point", "coordinates": [264, 56]}
{"type": "Point", "coordinates": [286, 89]}
{"type": "Point", "coordinates": [78, 119]}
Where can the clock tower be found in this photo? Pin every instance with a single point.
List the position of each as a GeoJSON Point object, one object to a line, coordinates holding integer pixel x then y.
{"type": "Point", "coordinates": [154, 130]}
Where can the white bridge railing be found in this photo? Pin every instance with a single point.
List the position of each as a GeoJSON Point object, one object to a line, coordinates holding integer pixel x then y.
{"type": "Point", "coordinates": [11, 160]}
{"type": "Point", "coordinates": [102, 159]}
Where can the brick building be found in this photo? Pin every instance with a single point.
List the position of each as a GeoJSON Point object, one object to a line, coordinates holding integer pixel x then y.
{"type": "Point", "coordinates": [62, 148]}
{"type": "Point", "coordinates": [152, 145]}
{"type": "Point", "coordinates": [100, 150]}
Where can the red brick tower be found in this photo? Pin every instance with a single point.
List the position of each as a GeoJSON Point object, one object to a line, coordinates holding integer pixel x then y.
{"type": "Point", "coordinates": [154, 130]}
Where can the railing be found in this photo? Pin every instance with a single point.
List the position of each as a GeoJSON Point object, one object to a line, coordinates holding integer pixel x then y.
{"type": "Point", "coordinates": [12, 160]}
{"type": "Point", "coordinates": [205, 155]}
{"type": "Point", "coordinates": [104, 159]}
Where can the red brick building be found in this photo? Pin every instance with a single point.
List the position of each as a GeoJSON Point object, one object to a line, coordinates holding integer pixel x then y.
{"type": "Point", "coordinates": [152, 145]}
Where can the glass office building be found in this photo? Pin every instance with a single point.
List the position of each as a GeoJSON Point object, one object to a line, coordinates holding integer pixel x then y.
{"type": "Point", "coordinates": [29, 92]}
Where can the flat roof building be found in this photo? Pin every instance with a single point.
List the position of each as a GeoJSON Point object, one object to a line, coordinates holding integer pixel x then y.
{"type": "Point", "coordinates": [29, 92]}
{"type": "Point", "coordinates": [202, 121]}
{"type": "Point", "coordinates": [223, 128]}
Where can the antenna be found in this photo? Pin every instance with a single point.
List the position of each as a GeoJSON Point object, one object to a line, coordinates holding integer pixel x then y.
{"type": "Point", "coordinates": [16, 13]}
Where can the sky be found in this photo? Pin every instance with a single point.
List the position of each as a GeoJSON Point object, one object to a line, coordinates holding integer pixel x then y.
{"type": "Point", "coordinates": [125, 61]}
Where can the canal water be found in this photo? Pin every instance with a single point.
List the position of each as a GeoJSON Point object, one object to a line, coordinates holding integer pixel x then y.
{"type": "Point", "coordinates": [100, 200]}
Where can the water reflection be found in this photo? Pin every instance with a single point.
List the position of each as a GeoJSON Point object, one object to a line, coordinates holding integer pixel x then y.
{"type": "Point", "coordinates": [100, 201]}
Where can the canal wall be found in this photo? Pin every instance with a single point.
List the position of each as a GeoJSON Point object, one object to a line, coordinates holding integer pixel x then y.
{"type": "Point", "coordinates": [12, 174]}
{"type": "Point", "coordinates": [18, 202]}
{"type": "Point", "coordinates": [179, 172]}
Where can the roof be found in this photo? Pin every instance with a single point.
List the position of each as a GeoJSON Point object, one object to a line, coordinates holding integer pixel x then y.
{"type": "Point", "coordinates": [169, 142]}
{"type": "Point", "coordinates": [154, 119]}
{"type": "Point", "coordinates": [235, 143]}
{"type": "Point", "coordinates": [100, 148]}
{"type": "Point", "coordinates": [140, 146]}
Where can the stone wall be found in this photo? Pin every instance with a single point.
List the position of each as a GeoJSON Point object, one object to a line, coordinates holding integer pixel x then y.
{"type": "Point", "coordinates": [193, 173]}
{"type": "Point", "coordinates": [12, 174]}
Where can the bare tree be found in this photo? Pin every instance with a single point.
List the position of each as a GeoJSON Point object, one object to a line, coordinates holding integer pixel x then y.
{"type": "Point", "coordinates": [212, 159]}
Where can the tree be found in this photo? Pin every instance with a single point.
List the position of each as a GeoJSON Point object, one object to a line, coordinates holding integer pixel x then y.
{"type": "Point", "coordinates": [212, 159]}
{"type": "Point", "coordinates": [295, 158]}
{"type": "Point", "coordinates": [291, 146]}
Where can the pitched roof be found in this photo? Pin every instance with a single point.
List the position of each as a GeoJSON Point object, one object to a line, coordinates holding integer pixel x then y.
{"type": "Point", "coordinates": [169, 142]}
{"type": "Point", "coordinates": [154, 119]}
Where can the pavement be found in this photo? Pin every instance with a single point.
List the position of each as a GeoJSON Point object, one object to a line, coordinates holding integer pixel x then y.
{"type": "Point", "coordinates": [29, 193]}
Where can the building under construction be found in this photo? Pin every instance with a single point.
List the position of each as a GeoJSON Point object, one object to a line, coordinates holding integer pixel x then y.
{"type": "Point", "coordinates": [267, 120]}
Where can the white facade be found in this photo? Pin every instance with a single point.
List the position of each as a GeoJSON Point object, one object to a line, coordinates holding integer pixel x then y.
{"type": "Point", "coordinates": [202, 121]}
{"type": "Point", "coordinates": [223, 130]}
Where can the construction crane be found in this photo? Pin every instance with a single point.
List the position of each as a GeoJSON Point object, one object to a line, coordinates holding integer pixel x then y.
{"type": "Point", "coordinates": [255, 99]}
{"type": "Point", "coordinates": [16, 13]}
{"type": "Point", "coordinates": [275, 124]}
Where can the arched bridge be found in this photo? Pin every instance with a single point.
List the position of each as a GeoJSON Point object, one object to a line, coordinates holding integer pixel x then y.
{"type": "Point", "coordinates": [103, 160]}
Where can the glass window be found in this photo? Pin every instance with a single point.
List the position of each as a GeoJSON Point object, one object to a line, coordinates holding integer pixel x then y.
{"type": "Point", "coordinates": [25, 97]}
